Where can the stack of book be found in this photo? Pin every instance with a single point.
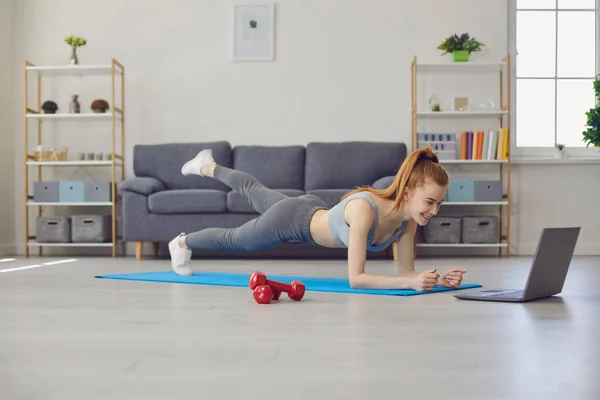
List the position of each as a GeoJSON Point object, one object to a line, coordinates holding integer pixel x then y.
{"type": "Point", "coordinates": [481, 145]}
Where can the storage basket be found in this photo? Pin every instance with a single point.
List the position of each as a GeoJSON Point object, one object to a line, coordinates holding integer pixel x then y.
{"type": "Point", "coordinates": [43, 153]}
{"type": "Point", "coordinates": [91, 228]}
{"type": "Point", "coordinates": [480, 230]}
{"type": "Point", "coordinates": [443, 230]}
{"type": "Point", "coordinates": [53, 230]}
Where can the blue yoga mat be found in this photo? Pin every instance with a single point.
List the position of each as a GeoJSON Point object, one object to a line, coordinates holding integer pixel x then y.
{"type": "Point", "coordinates": [241, 280]}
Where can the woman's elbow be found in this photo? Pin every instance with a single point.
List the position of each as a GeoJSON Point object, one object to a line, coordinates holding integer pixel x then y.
{"type": "Point", "coordinates": [355, 282]}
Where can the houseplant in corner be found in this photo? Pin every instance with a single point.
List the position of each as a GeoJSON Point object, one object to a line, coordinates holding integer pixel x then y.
{"type": "Point", "coordinates": [591, 136]}
{"type": "Point", "coordinates": [461, 46]}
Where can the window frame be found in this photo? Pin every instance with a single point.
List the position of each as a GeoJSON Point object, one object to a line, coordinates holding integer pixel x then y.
{"type": "Point", "coordinates": [540, 151]}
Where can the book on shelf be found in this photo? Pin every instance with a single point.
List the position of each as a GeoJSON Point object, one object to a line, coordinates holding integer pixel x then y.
{"type": "Point", "coordinates": [482, 145]}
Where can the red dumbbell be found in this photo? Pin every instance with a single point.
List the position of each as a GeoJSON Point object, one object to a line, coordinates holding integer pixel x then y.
{"type": "Point", "coordinates": [263, 294]}
{"type": "Point", "coordinates": [295, 289]}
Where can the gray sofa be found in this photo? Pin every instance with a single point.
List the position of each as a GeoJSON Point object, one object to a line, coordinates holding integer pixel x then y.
{"type": "Point", "coordinates": [159, 202]}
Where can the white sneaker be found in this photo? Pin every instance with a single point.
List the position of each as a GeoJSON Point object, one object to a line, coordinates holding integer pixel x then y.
{"type": "Point", "coordinates": [194, 167]}
{"type": "Point", "coordinates": [180, 258]}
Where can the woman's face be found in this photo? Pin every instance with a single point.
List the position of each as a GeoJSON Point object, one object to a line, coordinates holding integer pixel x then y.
{"type": "Point", "coordinates": [424, 202]}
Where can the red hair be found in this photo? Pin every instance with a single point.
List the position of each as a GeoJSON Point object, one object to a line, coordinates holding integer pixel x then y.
{"type": "Point", "coordinates": [419, 165]}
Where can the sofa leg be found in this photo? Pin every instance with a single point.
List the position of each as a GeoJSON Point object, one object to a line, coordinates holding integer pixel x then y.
{"type": "Point", "coordinates": [139, 246]}
{"type": "Point", "coordinates": [155, 246]}
{"type": "Point", "coordinates": [395, 250]}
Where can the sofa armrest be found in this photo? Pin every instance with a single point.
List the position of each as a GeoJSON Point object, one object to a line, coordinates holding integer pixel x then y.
{"type": "Point", "coordinates": [383, 183]}
{"type": "Point", "coordinates": [142, 185]}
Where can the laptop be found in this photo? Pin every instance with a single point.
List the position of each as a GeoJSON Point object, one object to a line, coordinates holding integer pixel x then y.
{"type": "Point", "coordinates": [548, 270]}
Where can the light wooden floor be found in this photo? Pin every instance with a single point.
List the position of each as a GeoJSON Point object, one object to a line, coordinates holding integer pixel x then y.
{"type": "Point", "coordinates": [66, 335]}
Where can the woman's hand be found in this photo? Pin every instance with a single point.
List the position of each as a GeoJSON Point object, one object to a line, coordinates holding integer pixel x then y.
{"type": "Point", "coordinates": [425, 280]}
{"type": "Point", "coordinates": [451, 278]}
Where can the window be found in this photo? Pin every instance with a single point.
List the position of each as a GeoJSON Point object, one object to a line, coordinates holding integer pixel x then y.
{"type": "Point", "coordinates": [557, 51]}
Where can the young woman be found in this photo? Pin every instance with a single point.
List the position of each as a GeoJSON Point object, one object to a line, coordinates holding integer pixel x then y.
{"type": "Point", "coordinates": [365, 218]}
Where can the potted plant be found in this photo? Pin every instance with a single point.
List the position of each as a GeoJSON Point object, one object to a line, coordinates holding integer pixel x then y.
{"type": "Point", "coordinates": [461, 46]}
{"type": "Point", "coordinates": [591, 136]}
{"type": "Point", "coordinates": [559, 152]}
{"type": "Point", "coordinates": [99, 106]}
{"type": "Point", "coordinates": [75, 42]}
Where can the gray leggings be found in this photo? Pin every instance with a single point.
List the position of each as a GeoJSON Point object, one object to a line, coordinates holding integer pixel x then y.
{"type": "Point", "coordinates": [283, 218]}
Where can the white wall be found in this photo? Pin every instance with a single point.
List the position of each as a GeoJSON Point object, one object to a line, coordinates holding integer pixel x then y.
{"type": "Point", "coordinates": [342, 72]}
{"type": "Point", "coordinates": [7, 182]}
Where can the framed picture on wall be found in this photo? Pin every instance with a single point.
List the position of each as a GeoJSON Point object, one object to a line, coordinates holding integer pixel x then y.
{"type": "Point", "coordinates": [254, 32]}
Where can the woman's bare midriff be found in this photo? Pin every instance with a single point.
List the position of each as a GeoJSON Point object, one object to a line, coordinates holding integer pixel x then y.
{"type": "Point", "coordinates": [320, 232]}
{"type": "Point", "coordinates": [319, 229]}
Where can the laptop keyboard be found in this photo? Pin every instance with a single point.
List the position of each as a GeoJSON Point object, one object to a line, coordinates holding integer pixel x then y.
{"type": "Point", "coordinates": [517, 294]}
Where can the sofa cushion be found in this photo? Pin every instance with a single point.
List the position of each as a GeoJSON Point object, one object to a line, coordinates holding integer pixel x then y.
{"type": "Point", "coordinates": [274, 166]}
{"type": "Point", "coordinates": [330, 196]}
{"type": "Point", "coordinates": [187, 201]}
{"type": "Point", "coordinates": [164, 162]}
{"type": "Point", "coordinates": [383, 183]}
{"type": "Point", "coordinates": [345, 165]}
{"type": "Point", "coordinates": [238, 203]}
{"type": "Point", "coordinates": [142, 185]}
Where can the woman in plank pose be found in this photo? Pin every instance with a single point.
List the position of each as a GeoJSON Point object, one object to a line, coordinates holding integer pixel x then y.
{"type": "Point", "coordinates": [365, 219]}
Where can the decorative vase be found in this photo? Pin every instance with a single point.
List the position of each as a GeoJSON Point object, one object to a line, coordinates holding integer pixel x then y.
{"type": "Point", "coordinates": [74, 105]}
{"type": "Point", "coordinates": [460, 55]}
{"type": "Point", "coordinates": [74, 60]}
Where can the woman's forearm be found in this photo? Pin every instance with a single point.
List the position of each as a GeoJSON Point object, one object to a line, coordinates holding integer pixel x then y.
{"type": "Point", "coordinates": [369, 281]}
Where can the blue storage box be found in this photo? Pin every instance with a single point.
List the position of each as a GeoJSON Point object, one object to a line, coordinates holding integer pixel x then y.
{"type": "Point", "coordinates": [461, 190]}
{"type": "Point", "coordinates": [71, 192]}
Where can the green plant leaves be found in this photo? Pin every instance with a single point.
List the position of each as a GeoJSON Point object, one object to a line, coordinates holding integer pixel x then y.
{"type": "Point", "coordinates": [591, 136]}
{"type": "Point", "coordinates": [462, 42]}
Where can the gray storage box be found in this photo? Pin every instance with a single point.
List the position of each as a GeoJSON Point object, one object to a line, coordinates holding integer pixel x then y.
{"type": "Point", "coordinates": [45, 192]}
{"type": "Point", "coordinates": [488, 190]}
{"type": "Point", "coordinates": [97, 192]}
{"type": "Point", "coordinates": [480, 230]}
{"type": "Point", "coordinates": [53, 230]}
{"type": "Point", "coordinates": [91, 228]}
{"type": "Point", "coordinates": [443, 230]}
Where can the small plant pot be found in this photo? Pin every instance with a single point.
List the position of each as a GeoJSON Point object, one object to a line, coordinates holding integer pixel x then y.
{"type": "Point", "coordinates": [460, 55]}
{"type": "Point", "coordinates": [99, 110]}
{"type": "Point", "coordinates": [558, 154]}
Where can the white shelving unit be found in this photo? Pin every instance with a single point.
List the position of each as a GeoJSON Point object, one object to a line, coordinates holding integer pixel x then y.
{"type": "Point", "coordinates": [113, 70]}
{"type": "Point", "coordinates": [473, 161]}
{"type": "Point", "coordinates": [74, 117]}
{"type": "Point", "coordinates": [475, 203]}
{"type": "Point", "coordinates": [80, 70]}
{"type": "Point", "coordinates": [69, 204]}
{"type": "Point", "coordinates": [461, 114]}
{"type": "Point", "coordinates": [503, 113]}
{"type": "Point", "coordinates": [464, 245]}
{"type": "Point", "coordinates": [33, 243]}
{"type": "Point", "coordinates": [91, 163]}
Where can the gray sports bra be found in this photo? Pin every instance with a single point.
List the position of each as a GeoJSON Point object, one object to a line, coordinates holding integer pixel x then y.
{"type": "Point", "coordinates": [341, 230]}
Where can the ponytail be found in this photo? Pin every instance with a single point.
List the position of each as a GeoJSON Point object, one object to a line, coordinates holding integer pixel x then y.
{"type": "Point", "coordinates": [419, 165]}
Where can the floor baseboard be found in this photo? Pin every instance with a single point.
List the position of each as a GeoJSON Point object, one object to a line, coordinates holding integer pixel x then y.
{"type": "Point", "coordinates": [584, 249]}
{"type": "Point", "coordinates": [7, 250]}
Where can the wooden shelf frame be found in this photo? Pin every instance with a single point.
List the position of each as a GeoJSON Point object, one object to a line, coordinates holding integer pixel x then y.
{"type": "Point", "coordinates": [33, 114]}
{"type": "Point", "coordinates": [503, 68]}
